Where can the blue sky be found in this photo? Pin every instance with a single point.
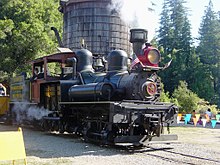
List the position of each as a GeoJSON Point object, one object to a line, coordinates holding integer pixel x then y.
{"type": "Point", "coordinates": [137, 11]}
{"type": "Point", "coordinates": [196, 11]}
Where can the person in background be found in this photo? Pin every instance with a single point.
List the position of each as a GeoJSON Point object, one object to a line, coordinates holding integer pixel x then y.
{"type": "Point", "coordinates": [208, 115]}
{"type": "Point", "coordinates": [200, 121]}
{"type": "Point", "coordinates": [2, 90]}
{"type": "Point", "coordinates": [193, 114]}
{"type": "Point", "coordinates": [35, 75]}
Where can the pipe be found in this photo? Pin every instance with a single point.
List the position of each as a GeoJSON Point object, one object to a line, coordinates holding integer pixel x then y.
{"type": "Point", "coordinates": [58, 37]}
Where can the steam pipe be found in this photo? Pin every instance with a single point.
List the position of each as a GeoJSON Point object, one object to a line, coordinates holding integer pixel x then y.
{"type": "Point", "coordinates": [74, 67]}
{"type": "Point", "coordinates": [58, 37]}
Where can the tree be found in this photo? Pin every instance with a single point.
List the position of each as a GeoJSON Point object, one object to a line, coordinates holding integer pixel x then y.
{"type": "Point", "coordinates": [209, 51]}
{"type": "Point", "coordinates": [199, 67]}
{"type": "Point", "coordinates": [165, 31]}
{"type": "Point", "coordinates": [188, 101]}
{"type": "Point", "coordinates": [201, 82]}
{"type": "Point", "coordinates": [165, 43]}
{"type": "Point", "coordinates": [25, 31]}
{"type": "Point", "coordinates": [175, 38]}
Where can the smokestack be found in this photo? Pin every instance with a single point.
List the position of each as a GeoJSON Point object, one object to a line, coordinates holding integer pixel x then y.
{"type": "Point", "coordinates": [138, 38]}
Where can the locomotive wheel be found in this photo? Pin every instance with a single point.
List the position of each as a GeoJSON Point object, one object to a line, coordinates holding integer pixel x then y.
{"type": "Point", "coordinates": [110, 137]}
{"type": "Point", "coordinates": [61, 128]}
{"type": "Point", "coordinates": [86, 135]}
{"type": "Point", "coordinates": [44, 125]}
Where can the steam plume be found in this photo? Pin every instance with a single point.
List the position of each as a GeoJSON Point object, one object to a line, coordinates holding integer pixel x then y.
{"type": "Point", "coordinates": [25, 112]}
{"type": "Point", "coordinates": [137, 14]}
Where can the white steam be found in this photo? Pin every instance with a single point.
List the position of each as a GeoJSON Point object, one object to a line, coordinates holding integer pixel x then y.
{"type": "Point", "coordinates": [25, 112]}
{"type": "Point", "coordinates": [137, 14]}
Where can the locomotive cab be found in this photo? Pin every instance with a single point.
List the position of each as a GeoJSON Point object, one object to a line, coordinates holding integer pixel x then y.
{"type": "Point", "coordinates": [45, 86]}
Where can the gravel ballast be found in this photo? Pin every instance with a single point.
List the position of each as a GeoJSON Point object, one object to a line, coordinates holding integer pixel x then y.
{"type": "Point", "coordinates": [196, 146]}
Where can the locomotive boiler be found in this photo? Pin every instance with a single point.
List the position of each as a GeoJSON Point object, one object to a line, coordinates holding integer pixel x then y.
{"type": "Point", "coordinates": [113, 105]}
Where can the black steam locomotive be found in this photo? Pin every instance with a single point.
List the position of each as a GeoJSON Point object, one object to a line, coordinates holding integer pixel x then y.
{"type": "Point", "coordinates": [113, 104]}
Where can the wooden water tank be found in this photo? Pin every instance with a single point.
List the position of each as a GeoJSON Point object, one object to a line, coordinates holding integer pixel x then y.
{"type": "Point", "coordinates": [97, 23]}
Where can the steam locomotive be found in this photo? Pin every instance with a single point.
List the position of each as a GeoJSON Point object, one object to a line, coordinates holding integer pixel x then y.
{"type": "Point", "coordinates": [113, 104]}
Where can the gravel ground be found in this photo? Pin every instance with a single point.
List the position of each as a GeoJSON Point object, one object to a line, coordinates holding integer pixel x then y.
{"type": "Point", "coordinates": [196, 146]}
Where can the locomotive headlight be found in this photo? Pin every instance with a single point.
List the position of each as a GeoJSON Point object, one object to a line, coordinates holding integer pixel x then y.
{"type": "Point", "coordinates": [153, 56]}
{"type": "Point", "coordinates": [150, 57]}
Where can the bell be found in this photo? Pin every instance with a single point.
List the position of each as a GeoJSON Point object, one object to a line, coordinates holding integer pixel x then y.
{"type": "Point", "coordinates": [98, 62]}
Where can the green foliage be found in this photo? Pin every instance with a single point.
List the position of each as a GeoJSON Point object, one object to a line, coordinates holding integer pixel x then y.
{"type": "Point", "coordinates": [199, 67]}
{"type": "Point", "coordinates": [208, 46]}
{"type": "Point", "coordinates": [202, 108]}
{"type": "Point", "coordinates": [209, 53]}
{"type": "Point", "coordinates": [188, 101]}
{"type": "Point", "coordinates": [25, 31]}
{"type": "Point", "coordinates": [164, 97]}
{"type": "Point", "coordinates": [202, 82]}
{"type": "Point", "coordinates": [175, 38]}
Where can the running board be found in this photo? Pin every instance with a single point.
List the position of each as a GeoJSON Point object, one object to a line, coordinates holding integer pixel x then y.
{"type": "Point", "coordinates": [142, 139]}
{"type": "Point", "coordinates": [167, 137]}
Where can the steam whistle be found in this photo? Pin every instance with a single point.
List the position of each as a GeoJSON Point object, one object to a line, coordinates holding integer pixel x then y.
{"type": "Point", "coordinates": [83, 45]}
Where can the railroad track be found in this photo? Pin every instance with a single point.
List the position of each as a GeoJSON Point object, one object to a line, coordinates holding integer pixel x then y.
{"type": "Point", "coordinates": [177, 156]}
